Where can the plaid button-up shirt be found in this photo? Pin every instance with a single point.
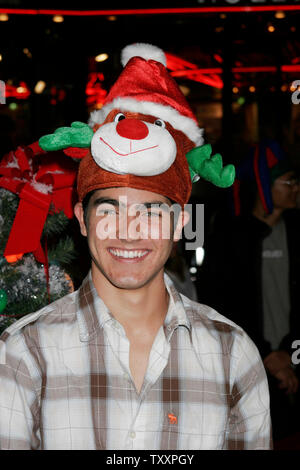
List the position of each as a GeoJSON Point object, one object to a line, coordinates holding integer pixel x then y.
{"type": "Point", "coordinates": [65, 381]}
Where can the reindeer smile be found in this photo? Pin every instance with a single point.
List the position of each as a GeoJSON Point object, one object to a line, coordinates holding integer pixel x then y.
{"type": "Point", "coordinates": [131, 152]}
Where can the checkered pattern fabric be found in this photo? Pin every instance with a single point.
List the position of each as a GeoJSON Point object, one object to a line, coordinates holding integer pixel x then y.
{"type": "Point", "coordinates": [65, 381]}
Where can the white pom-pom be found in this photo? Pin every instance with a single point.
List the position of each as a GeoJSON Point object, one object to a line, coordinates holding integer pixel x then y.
{"type": "Point", "coordinates": [146, 51]}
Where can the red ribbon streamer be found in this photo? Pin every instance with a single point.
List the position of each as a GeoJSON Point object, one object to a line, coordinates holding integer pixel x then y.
{"type": "Point", "coordinates": [47, 184]}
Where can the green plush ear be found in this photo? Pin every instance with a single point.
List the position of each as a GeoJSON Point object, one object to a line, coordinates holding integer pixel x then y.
{"type": "Point", "coordinates": [202, 164]}
{"type": "Point", "coordinates": [78, 135]}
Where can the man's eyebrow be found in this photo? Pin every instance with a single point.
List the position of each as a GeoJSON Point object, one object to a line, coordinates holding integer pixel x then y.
{"type": "Point", "coordinates": [114, 202]}
{"type": "Point", "coordinates": [160, 204]}
{"type": "Point", "coordinates": [102, 200]}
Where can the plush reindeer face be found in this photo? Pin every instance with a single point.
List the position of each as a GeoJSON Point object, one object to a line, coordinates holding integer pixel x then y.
{"type": "Point", "coordinates": [134, 146]}
{"type": "Point", "coordinates": [133, 143]}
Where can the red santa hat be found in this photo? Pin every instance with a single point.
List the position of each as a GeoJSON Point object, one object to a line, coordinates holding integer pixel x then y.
{"type": "Point", "coordinates": [146, 87]}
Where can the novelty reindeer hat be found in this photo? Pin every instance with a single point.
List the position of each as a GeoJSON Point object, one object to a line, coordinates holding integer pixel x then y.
{"type": "Point", "coordinates": [145, 136]}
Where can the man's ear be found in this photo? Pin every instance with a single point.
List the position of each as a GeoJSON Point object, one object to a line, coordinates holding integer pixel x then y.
{"type": "Point", "coordinates": [183, 219]}
{"type": "Point", "coordinates": [78, 211]}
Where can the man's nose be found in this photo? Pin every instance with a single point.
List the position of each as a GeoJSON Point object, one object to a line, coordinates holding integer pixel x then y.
{"type": "Point", "coordinates": [131, 228]}
{"type": "Point", "coordinates": [133, 129]}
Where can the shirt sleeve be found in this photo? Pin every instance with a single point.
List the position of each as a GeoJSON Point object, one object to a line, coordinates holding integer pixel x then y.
{"type": "Point", "coordinates": [19, 404]}
{"type": "Point", "coordinates": [249, 422]}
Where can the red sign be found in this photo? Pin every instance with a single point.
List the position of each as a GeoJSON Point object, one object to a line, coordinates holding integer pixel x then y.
{"type": "Point", "coordinates": [20, 92]}
{"type": "Point", "coordinates": [94, 90]}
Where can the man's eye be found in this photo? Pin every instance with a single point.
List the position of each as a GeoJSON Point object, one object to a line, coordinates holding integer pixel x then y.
{"type": "Point", "coordinates": [152, 214]}
{"type": "Point", "coordinates": [106, 211]}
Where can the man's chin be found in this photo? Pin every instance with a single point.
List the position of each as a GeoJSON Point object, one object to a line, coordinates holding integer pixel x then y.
{"type": "Point", "coordinates": [129, 282]}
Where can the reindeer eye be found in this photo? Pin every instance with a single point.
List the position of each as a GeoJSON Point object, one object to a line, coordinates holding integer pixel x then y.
{"type": "Point", "coordinates": [119, 117]}
{"type": "Point", "coordinates": [160, 123]}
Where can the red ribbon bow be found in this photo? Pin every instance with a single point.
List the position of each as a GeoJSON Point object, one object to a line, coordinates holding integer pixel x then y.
{"type": "Point", "coordinates": [38, 183]}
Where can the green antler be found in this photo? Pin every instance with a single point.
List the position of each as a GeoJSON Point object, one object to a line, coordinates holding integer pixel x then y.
{"type": "Point", "coordinates": [78, 135]}
{"type": "Point", "coordinates": [202, 164]}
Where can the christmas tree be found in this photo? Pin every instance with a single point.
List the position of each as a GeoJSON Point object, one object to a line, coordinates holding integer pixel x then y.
{"type": "Point", "coordinates": [33, 278]}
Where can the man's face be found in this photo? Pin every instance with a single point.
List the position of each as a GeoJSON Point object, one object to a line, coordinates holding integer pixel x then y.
{"type": "Point", "coordinates": [284, 191]}
{"type": "Point", "coordinates": [130, 234]}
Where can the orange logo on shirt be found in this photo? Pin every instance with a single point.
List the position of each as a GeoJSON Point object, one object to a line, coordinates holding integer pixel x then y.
{"type": "Point", "coordinates": [172, 418]}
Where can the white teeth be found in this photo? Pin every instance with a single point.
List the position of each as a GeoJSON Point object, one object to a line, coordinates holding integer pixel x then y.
{"type": "Point", "coordinates": [127, 254]}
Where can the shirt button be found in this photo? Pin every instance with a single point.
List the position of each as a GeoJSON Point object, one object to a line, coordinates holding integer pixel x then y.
{"type": "Point", "coordinates": [132, 434]}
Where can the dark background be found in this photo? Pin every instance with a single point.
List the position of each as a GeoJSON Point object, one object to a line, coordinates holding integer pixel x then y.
{"type": "Point", "coordinates": [62, 54]}
{"type": "Point", "coordinates": [249, 107]}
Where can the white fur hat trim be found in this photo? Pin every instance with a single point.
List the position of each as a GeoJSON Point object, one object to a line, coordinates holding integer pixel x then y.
{"type": "Point", "coordinates": [146, 51]}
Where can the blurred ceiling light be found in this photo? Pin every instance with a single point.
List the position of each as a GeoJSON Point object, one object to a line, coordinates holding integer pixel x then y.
{"type": "Point", "coordinates": [271, 28]}
{"type": "Point", "coordinates": [0, 57]}
{"type": "Point", "coordinates": [223, 16]}
{"type": "Point", "coordinates": [13, 106]}
{"type": "Point", "coordinates": [279, 14]}
{"type": "Point", "coordinates": [21, 89]}
{"type": "Point", "coordinates": [27, 52]}
{"type": "Point", "coordinates": [284, 87]}
{"type": "Point", "coordinates": [101, 57]}
{"type": "Point", "coordinates": [293, 28]}
{"type": "Point", "coordinates": [111, 18]}
{"type": "Point", "coordinates": [293, 88]}
{"type": "Point", "coordinates": [58, 18]}
{"type": "Point", "coordinates": [252, 89]}
{"type": "Point", "coordinates": [4, 17]}
{"type": "Point", "coordinates": [40, 87]}
{"type": "Point", "coordinates": [235, 89]}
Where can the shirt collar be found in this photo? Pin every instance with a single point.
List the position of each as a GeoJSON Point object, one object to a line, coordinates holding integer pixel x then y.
{"type": "Point", "coordinates": [92, 313]}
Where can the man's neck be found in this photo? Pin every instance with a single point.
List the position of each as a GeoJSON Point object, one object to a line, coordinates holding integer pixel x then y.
{"type": "Point", "coordinates": [142, 308]}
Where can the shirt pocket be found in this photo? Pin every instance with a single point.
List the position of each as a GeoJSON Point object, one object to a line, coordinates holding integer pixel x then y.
{"type": "Point", "coordinates": [197, 427]}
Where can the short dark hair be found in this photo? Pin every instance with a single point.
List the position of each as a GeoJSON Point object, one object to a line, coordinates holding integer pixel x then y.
{"type": "Point", "coordinates": [85, 204]}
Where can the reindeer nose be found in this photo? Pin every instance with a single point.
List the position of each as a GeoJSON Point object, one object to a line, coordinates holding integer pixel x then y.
{"type": "Point", "coordinates": [133, 129]}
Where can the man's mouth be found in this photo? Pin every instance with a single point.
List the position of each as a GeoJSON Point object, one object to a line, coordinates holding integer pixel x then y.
{"type": "Point", "coordinates": [126, 154]}
{"type": "Point", "coordinates": [129, 254]}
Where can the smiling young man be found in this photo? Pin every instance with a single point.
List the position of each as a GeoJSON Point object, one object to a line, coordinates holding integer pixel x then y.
{"type": "Point", "coordinates": [128, 268]}
{"type": "Point", "coordinates": [126, 362]}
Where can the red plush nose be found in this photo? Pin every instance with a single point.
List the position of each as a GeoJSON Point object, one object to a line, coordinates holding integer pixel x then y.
{"type": "Point", "coordinates": [132, 129]}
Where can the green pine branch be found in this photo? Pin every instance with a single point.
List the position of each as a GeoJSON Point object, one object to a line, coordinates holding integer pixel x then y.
{"type": "Point", "coordinates": [55, 224]}
{"type": "Point", "coordinates": [63, 252]}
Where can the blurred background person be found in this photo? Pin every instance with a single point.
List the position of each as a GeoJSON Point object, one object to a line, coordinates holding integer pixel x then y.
{"type": "Point", "coordinates": [251, 271]}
